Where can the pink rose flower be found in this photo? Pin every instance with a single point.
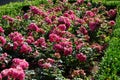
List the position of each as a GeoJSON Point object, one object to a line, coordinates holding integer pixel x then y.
{"type": "Point", "coordinates": [8, 18]}
{"type": "Point", "coordinates": [20, 62]}
{"type": "Point", "coordinates": [40, 30]}
{"type": "Point", "coordinates": [67, 51]}
{"type": "Point", "coordinates": [14, 73]}
{"type": "Point", "coordinates": [46, 65]}
{"type": "Point", "coordinates": [4, 54]}
{"type": "Point", "coordinates": [98, 47]}
{"type": "Point", "coordinates": [58, 47]}
{"type": "Point", "coordinates": [30, 39]}
{"type": "Point", "coordinates": [40, 62]}
{"type": "Point", "coordinates": [53, 17]}
{"type": "Point", "coordinates": [57, 9]}
{"type": "Point", "coordinates": [48, 20]}
{"type": "Point", "coordinates": [26, 16]}
{"type": "Point", "coordinates": [33, 27]}
{"type": "Point", "coordinates": [0, 76]}
{"type": "Point", "coordinates": [112, 13]}
{"type": "Point", "coordinates": [25, 49]}
{"type": "Point", "coordinates": [62, 27]}
{"type": "Point", "coordinates": [81, 57]}
{"type": "Point", "coordinates": [65, 47]}
{"type": "Point", "coordinates": [16, 37]}
{"type": "Point", "coordinates": [72, 16]}
{"type": "Point", "coordinates": [89, 4]}
{"type": "Point", "coordinates": [66, 14]}
{"type": "Point", "coordinates": [81, 21]}
{"type": "Point", "coordinates": [92, 26]}
{"type": "Point", "coordinates": [83, 30]}
{"type": "Point", "coordinates": [35, 10]}
{"type": "Point", "coordinates": [71, 12]}
{"type": "Point", "coordinates": [4, 73]}
{"type": "Point", "coordinates": [79, 46]}
{"type": "Point", "coordinates": [64, 20]}
{"type": "Point", "coordinates": [3, 57]}
{"type": "Point", "coordinates": [98, 20]}
{"type": "Point", "coordinates": [111, 23]}
{"type": "Point", "coordinates": [54, 38]}
{"type": "Point", "coordinates": [4, 17]}
{"type": "Point", "coordinates": [2, 41]}
{"type": "Point", "coordinates": [80, 1]}
{"type": "Point", "coordinates": [15, 45]}
{"type": "Point", "coordinates": [50, 60]}
{"type": "Point", "coordinates": [90, 13]}
{"type": "Point", "coordinates": [1, 30]}
{"type": "Point", "coordinates": [36, 54]}
{"type": "Point", "coordinates": [40, 42]}
{"type": "Point", "coordinates": [57, 31]}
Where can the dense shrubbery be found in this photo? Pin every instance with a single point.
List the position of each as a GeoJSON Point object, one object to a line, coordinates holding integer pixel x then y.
{"type": "Point", "coordinates": [55, 41]}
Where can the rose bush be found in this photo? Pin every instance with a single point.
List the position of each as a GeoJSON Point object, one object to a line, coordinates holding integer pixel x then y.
{"type": "Point", "coordinates": [55, 41]}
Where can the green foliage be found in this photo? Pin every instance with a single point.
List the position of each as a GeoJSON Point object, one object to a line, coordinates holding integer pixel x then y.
{"type": "Point", "coordinates": [110, 64]}
{"type": "Point", "coordinates": [13, 9]}
{"type": "Point", "coordinates": [109, 69]}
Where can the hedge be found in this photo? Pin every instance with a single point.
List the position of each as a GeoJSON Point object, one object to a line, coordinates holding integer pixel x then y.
{"type": "Point", "coordinates": [13, 9]}
{"type": "Point", "coordinates": [110, 64]}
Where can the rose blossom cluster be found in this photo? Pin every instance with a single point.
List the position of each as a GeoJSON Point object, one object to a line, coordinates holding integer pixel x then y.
{"type": "Point", "coordinates": [33, 27]}
{"type": "Point", "coordinates": [13, 73]}
{"type": "Point", "coordinates": [8, 18]}
{"type": "Point", "coordinates": [3, 58]}
{"type": "Point", "coordinates": [1, 29]}
{"type": "Point", "coordinates": [40, 42]}
{"type": "Point", "coordinates": [16, 62]}
{"type": "Point", "coordinates": [112, 13]}
{"type": "Point", "coordinates": [65, 47]}
{"type": "Point", "coordinates": [37, 11]}
{"type": "Point", "coordinates": [2, 38]}
{"type": "Point", "coordinates": [54, 38]}
{"type": "Point", "coordinates": [16, 71]}
{"type": "Point", "coordinates": [2, 41]}
{"type": "Point", "coordinates": [19, 41]}
{"type": "Point", "coordinates": [16, 37]}
{"type": "Point", "coordinates": [46, 63]}
{"type": "Point", "coordinates": [81, 57]}
{"type": "Point", "coordinates": [64, 20]}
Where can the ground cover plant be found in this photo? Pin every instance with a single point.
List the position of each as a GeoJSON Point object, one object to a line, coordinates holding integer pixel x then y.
{"type": "Point", "coordinates": [56, 41]}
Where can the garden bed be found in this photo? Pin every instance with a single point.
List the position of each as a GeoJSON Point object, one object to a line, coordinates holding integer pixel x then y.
{"type": "Point", "coordinates": [63, 40]}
